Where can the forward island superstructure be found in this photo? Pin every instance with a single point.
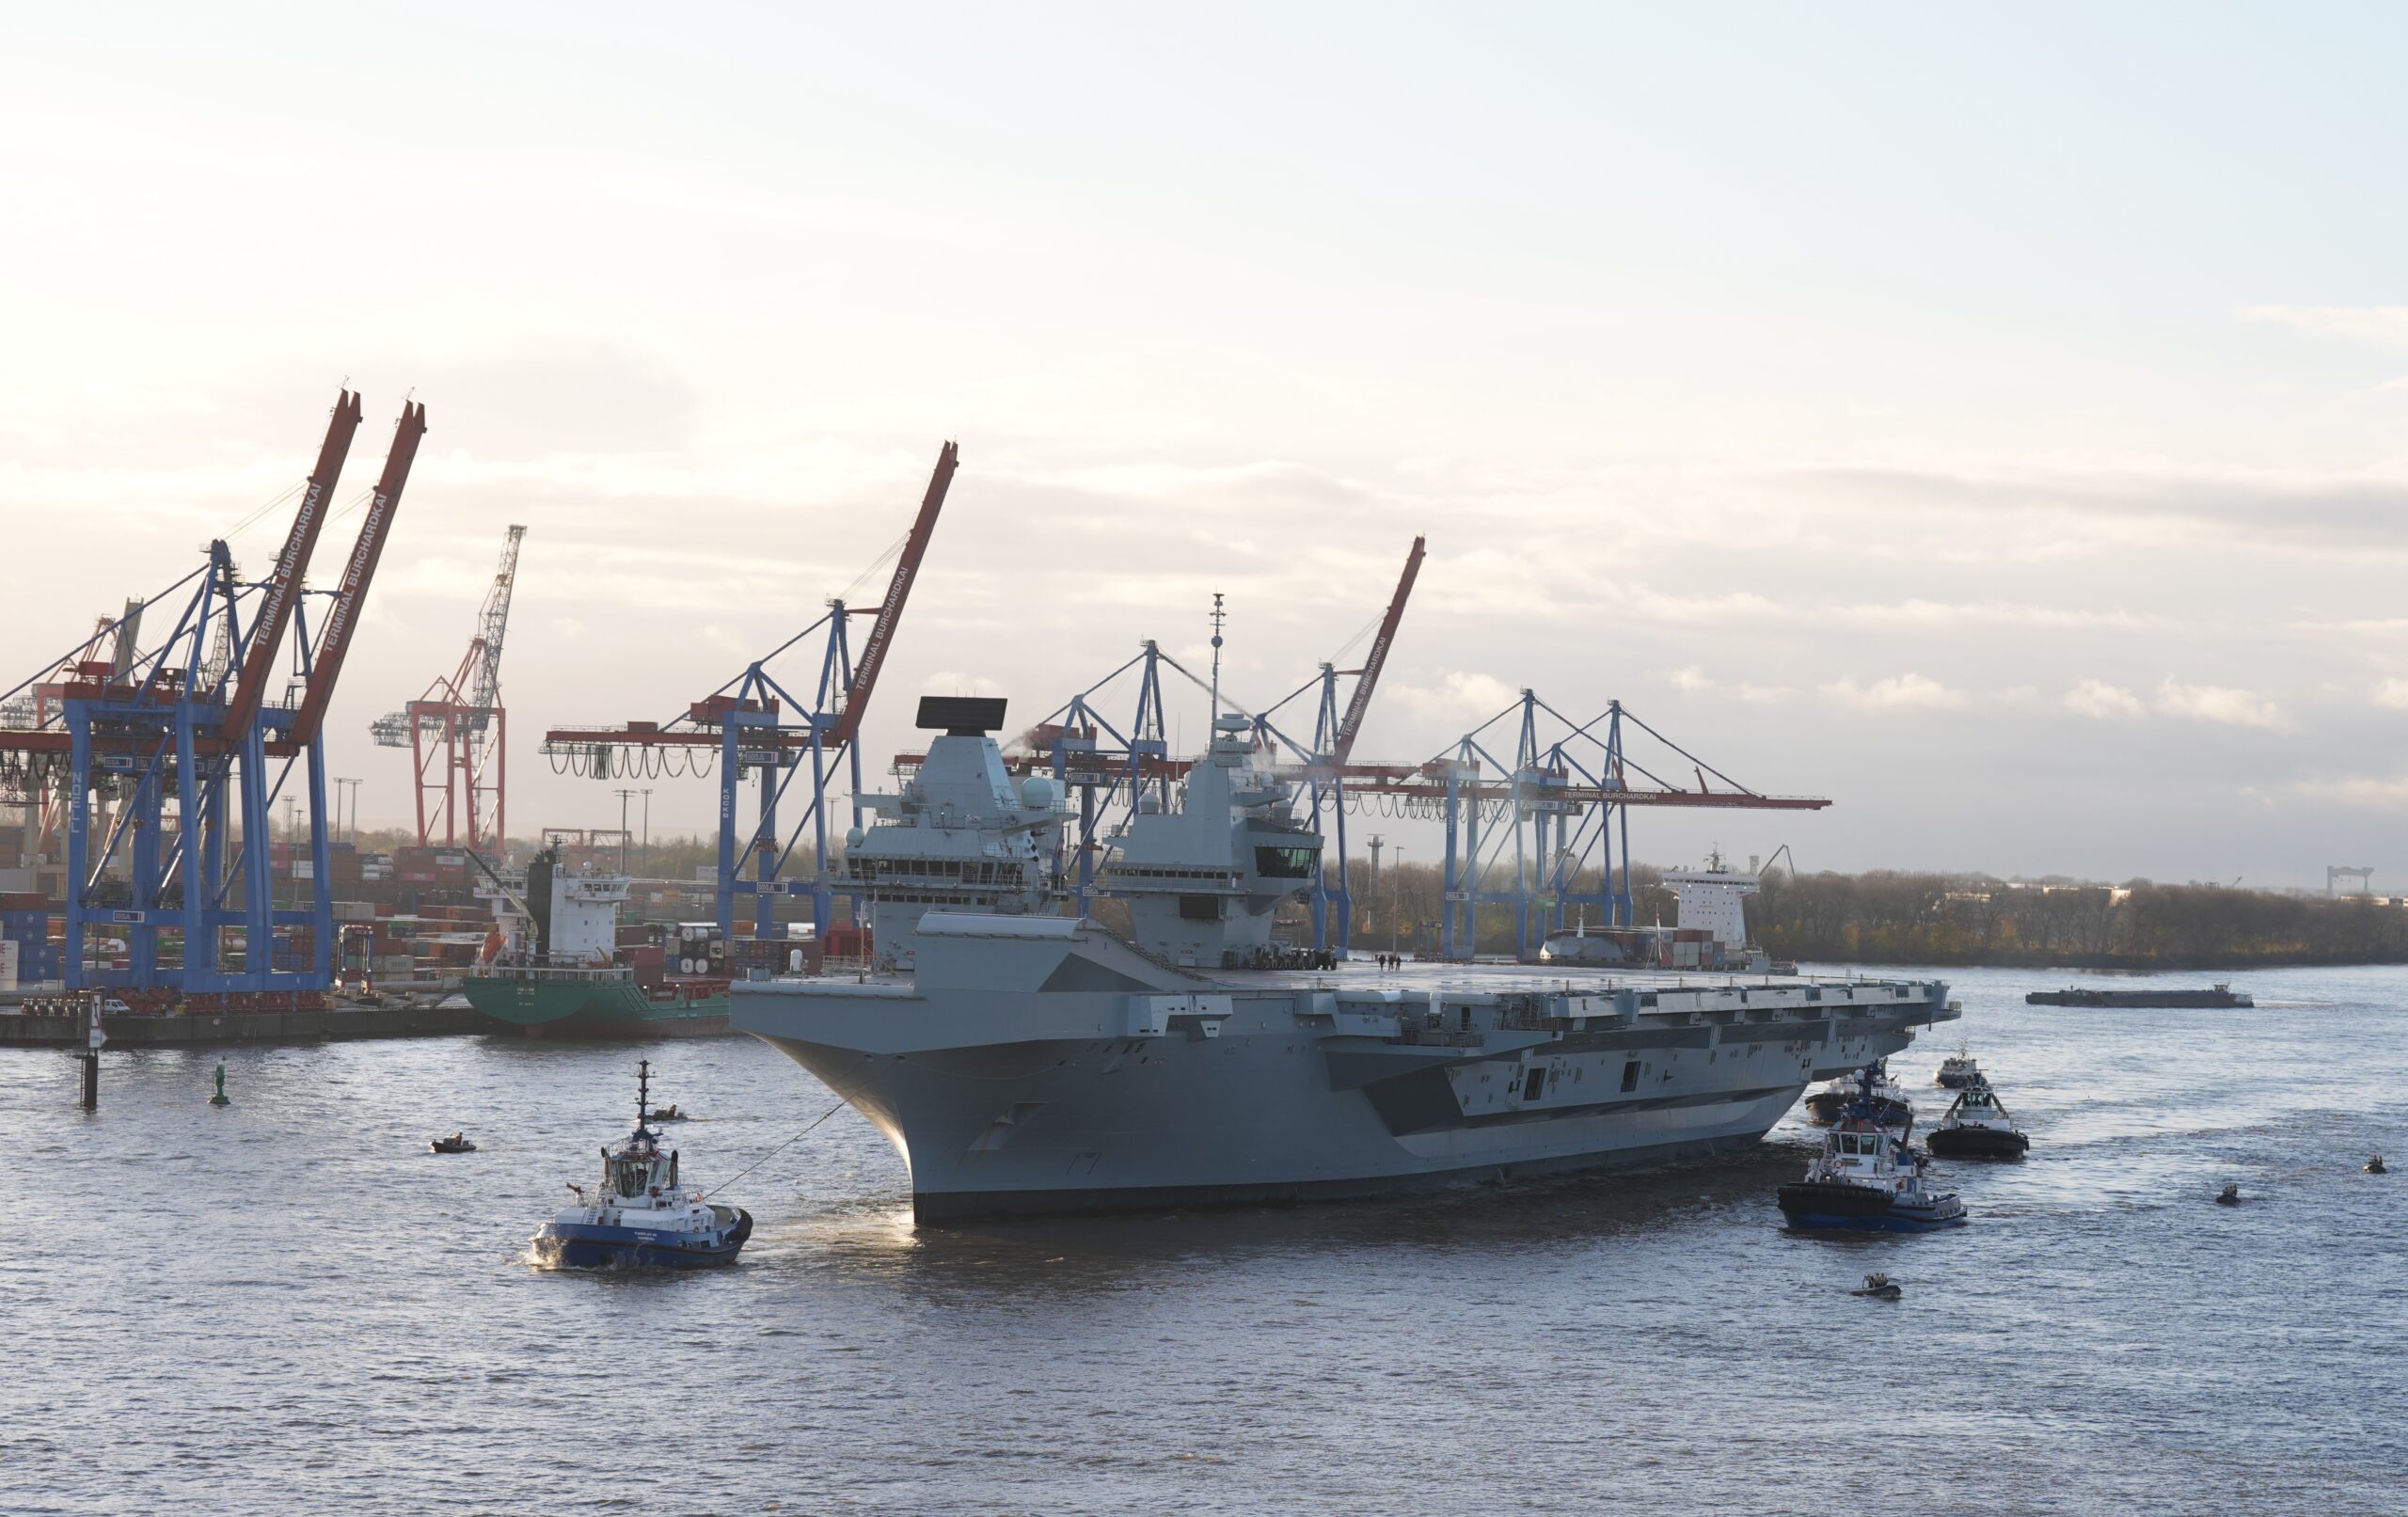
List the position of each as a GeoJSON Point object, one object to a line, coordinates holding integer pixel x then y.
{"type": "Point", "coordinates": [1031, 1063]}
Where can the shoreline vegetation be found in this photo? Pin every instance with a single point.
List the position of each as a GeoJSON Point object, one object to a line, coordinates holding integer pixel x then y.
{"type": "Point", "coordinates": [1892, 917]}
{"type": "Point", "coordinates": [1886, 917]}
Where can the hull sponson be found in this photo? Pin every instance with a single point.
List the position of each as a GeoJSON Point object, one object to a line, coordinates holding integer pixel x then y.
{"type": "Point", "coordinates": [1037, 1067]}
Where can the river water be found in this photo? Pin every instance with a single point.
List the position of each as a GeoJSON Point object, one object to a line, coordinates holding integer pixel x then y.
{"type": "Point", "coordinates": [288, 1305]}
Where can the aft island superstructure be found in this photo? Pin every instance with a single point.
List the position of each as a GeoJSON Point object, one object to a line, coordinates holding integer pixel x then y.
{"type": "Point", "coordinates": [1031, 1063]}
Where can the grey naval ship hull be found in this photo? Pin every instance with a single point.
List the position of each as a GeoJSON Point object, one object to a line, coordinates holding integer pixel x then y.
{"type": "Point", "coordinates": [1033, 1066]}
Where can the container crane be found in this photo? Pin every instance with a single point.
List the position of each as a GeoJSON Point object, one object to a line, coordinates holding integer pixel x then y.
{"type": "Point", "coordinates": [460, 723]}
{"type": "Point", "coordinates": [754, 726]}
{"type": "Point", "coordinates": [182, 856]}
{"type": "Point", "coordinates": [1367, 679]}
{"type": "Point", "coordinates": [282, 597]}
{"type": "Point", "coordinates": [351, 593]}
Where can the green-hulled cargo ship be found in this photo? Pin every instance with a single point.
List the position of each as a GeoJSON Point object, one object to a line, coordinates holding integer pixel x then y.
{"type": "Point", "coordinates": [598, 1003]}
{"type": "Point", "coordinates": [558, 971]}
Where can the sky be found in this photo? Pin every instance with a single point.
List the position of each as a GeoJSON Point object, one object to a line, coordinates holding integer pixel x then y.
{"type": "Point", "coordinates": [1993, 419]}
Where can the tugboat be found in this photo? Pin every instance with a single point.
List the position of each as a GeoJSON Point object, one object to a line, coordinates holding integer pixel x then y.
{"type": "Point", "coordinates": [1976, 1126]}
{"type": "Point", "coordinates": [637, 1215]}
{"type": "Point", "coordinates": [1867, 1178]}
{"type": "Point", "coordinates": [1959, 1071]}
{"type": "Point", "coordinates": [1891, 1107]}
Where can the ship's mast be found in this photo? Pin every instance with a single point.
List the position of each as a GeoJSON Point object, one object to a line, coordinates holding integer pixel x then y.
{"type": "Point", "coordinates": [1218, 617]}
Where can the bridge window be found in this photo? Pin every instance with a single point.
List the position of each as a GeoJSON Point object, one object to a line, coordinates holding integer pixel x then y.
{"type": "Point", "coordinates": [1199, 908]}
{"type": "Point", "coordinates": [1285, 864]}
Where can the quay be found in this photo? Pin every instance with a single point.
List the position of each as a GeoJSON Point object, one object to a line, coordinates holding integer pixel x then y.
{"type": "Point", "coordinates": [30, 1030]}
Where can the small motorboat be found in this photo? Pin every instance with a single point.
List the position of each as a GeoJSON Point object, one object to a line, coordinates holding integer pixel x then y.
{"type": "Point", "coordinates": [453, 1144]}
{"type": "Point", "coordinates": [668, 1113]}
{"type": "Point", "coordinates": [639, 1215]}
{"type": "Point", "coordinates": [1976, 1126]}
{"type": "Point", "coordinates": [1889, 1104]}
{"type": "Point", "coordinates": [2374, 1165]}
{"type": "Point", "coordinates": [1867, 1178]}
{"type": "Point", "coordinates": [1880, 1287]}
{"type": "Point", "coordinates": [1957, 1070]}
{"type": "Point", "coordinates": [2228, 1196]}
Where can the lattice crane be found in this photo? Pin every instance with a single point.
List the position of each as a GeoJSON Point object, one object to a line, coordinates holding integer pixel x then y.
{"type": "Point", "coordinates": [171, 760]}
{"type": "Point", "coordinates": [754, 726]}
{"type": "Point", "coordinates": [458, 734]}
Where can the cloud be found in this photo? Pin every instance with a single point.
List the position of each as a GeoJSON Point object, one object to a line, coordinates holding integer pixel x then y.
{"type": "Point", "coordinates": [1459, 696]}
{"type": "Point", "coordinates": [2035, 515]}
{"type": "Point", "coordinates": [1695, 679]}
{"type": "Point", "coordinates": [2004, 613]}
{"type": "Point", "coordinates": [1899, 690]}
{"type": "Point", "coordinates": [2382, 325]}
{"type": "Point", "coordinates": [2097, 698]}
{"type": "Point", "coordinates": [2219, 703]}
{"type": "Point", "coordinates": [2392, 693]}
{"type": "Point", "coordinates": [2373, 792]}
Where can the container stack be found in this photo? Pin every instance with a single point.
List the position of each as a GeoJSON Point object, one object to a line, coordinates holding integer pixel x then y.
{"type": "Point", "coordinates": [24, 921]}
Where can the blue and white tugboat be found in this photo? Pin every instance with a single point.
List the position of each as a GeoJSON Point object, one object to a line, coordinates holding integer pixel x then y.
{"type": "Point", "coordinates": [1866, 1178]}
{"type": "Point", "coordinates": [638, 1216]}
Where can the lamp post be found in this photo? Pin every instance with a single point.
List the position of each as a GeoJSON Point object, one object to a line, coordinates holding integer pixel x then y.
{"type": "Point", "coordinates": [623, 795]}
{"type": "Point", "coordinates": [1396, 900]}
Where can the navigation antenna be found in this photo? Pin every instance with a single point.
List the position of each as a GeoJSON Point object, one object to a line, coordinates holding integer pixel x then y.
{"type": "Point", "coordinates": [1219, 616]}
{"type": "Point", "coordinates": [644, 1088]}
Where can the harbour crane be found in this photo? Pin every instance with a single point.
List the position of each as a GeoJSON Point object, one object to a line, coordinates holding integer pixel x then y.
{"type": "Point", "coordinates": [752, 726]}
{"type": "Point", "coordinates": [459, 724]}
{"type": "Point", "coordinates": [147, 743]}
{"type": "Point", "coordinates": [281, 598]}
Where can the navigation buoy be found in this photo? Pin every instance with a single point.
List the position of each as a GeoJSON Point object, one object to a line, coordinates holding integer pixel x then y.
{"type": "Point", "coordinates": [219, 1099]}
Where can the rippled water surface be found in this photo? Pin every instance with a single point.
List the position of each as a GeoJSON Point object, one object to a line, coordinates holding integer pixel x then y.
{"type": "Point", "coordinates": [288, 1305]}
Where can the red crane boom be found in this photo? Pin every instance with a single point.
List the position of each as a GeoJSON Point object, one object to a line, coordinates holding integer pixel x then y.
{"type": "Point", "coordinates": [340, 623]}
{"type": "Point", "coordinates": [1369, 678]}
{"type": "Point", "coordinates": [898, 590]}
{"type": "Point", "coordinates": [284, 587]}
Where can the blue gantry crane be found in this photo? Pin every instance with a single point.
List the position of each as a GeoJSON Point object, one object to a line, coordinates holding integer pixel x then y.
{"type": "Point", "coordinates": [172, 757]}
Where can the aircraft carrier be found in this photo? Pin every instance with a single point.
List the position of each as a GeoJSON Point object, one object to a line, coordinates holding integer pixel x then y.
{"type": "Point", "coordinates": [1026, 1063]}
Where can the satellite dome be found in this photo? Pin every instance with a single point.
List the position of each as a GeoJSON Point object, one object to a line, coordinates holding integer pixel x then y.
{"type": "Point", "coordinates": [1037, 791]}
{"type": "Point", "coordinates": [853, 837]}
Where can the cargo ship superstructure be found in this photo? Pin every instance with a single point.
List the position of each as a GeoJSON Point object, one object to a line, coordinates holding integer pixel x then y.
{"type": "Point", "coordinates": [1033, 1063]}
{"type": "Point", "coordinates": [556, 969]}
